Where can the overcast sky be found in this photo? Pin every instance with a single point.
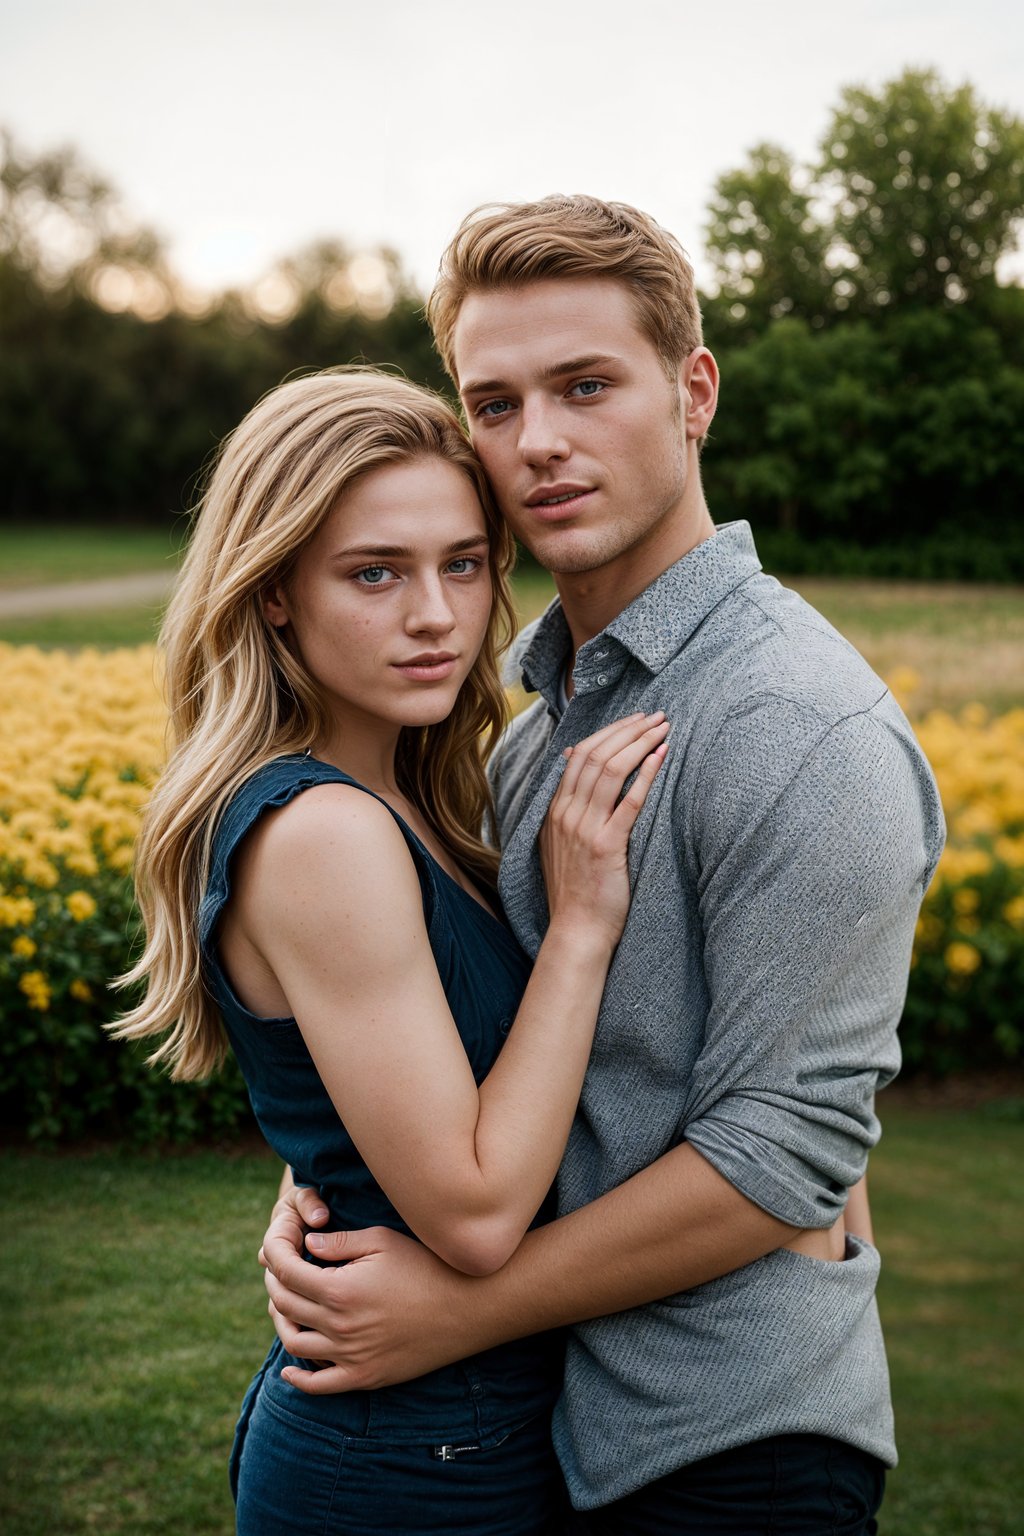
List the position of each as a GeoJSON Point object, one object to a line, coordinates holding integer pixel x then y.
{"type": "Point", "coordinates": [242, 129]}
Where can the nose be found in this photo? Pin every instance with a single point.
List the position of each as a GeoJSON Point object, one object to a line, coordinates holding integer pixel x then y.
{"type": "Point", "coordinates": [541, 432]}
{"type": "Point", "coordinates": [429, 610]}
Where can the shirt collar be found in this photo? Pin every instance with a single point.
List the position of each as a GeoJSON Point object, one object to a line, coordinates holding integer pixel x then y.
{"type": "Point", "coordinates": [653, 629]}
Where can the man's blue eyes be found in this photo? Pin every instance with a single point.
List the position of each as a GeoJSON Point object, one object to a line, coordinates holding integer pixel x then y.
{"type": "Point", "coordinates": [584, 389]}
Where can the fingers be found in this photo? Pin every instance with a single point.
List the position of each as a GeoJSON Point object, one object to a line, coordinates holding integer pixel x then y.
{"type": "Point", "coordinates": [282, 1253]}
{"type": "Point", "coordinates": [301, 1310]}
{"type": "Point", "coordinates": [343, 1247]}
{"type": "Point", "coordinates": [631, 804]}
{"type": "Point", "coordinates": [602, 745]}
{"type": "Point", "coordinates": [310, 1206]}
{"type": "Point", "coordinates": [334, 1378]}
{"type": "Point", "coordinates": [306, 1343]}
{"type": "Point", "coordinates": [337, 1247]}
{"type": "Point", "coordinates": [605, 767]}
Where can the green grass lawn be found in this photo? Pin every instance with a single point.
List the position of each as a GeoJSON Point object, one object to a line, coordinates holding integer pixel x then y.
{"type": "Point", "coordinates": [946, 1198]}
{"type": "Point", "coordinates": [104, 627]}
{"type": "Point", "coordinates": [72, 552]}
{"type": "Point", "coordinates": [966, 643]}
{"type": "Point", "coordinates": [135, 1315]}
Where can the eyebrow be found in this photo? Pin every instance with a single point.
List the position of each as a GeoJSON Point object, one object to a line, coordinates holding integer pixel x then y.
{"type": "Point", "coordinates": [555, 371]}
{"type": "Point", "coordinates": [403, 552]}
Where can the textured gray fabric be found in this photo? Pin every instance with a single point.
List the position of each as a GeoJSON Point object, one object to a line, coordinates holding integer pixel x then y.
{"type": "Point", "coordinates": [751, 1009]}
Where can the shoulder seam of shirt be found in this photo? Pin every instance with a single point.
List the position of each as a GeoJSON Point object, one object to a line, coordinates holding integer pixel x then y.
{"type": "Point", "coordinates": [796, 621]}
{"type": "Point", "coordinates": [745, 597]}
{"type": "Point", "coordinates": [784, 789]}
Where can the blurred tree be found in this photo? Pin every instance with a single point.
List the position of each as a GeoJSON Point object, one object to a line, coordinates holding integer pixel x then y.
{"type": "Point", "coordinates": [874, 445]}
{"type": "Point", "coordinates": [114, 388]}
{"type": "Point", "coordinates": [928, 188]}
{"type": "Point", "coordinates": [64, 226]}
{"type": "Point", "coordinates": [918, 192]}
{"type": "Point", "coordinates": [767, 244]}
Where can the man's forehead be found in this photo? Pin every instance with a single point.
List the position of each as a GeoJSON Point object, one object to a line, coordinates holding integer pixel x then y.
{"type": "Point", "coordinates": [540, 326]}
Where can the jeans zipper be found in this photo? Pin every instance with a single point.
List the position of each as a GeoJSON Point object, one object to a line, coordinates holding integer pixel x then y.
{"type": "Point", "coordinates": [449, 1452]}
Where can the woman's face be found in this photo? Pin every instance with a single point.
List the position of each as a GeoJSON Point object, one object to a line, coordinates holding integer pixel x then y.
{"type": "Point", "coordinates": [388, 604]}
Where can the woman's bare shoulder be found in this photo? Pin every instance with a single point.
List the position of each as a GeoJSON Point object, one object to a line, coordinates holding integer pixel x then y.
{"type": "Point", "coordinates": [332, 837]}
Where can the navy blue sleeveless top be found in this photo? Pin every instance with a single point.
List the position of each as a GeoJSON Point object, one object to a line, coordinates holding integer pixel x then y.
{"type": "Point", "coordinates": [483, 972]}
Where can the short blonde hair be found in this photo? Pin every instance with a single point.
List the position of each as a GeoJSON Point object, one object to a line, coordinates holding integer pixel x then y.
{"type": "Point", "coordinates": [506, 245]}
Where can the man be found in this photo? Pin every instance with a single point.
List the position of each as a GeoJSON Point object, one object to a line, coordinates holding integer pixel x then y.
{"type": "Point", "coordinates": [752, 1006]}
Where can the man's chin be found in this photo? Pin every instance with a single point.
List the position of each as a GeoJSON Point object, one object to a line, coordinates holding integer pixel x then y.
{"type": "Point", "coordinates": [569, 557]}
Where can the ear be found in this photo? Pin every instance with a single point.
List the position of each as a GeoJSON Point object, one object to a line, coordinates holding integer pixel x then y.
{"type": "Point", "coordinates": [275, 606]}
{"type": "Point", "coordinates": [699, 378]}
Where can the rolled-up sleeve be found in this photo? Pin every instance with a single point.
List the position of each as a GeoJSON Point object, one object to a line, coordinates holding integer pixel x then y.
{"type": "Point", "coordinates": [813, 845]}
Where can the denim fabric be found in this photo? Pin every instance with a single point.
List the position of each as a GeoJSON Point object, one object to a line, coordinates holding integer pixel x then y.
{"type": "Point", "coordinates": [789, 1485]}
{"type": "Point", "coordinates": [345, 1479]}
{"type": "Point", "coordinates": [373, 1461]}
{"type": "Point", "coordinates": [777, 870]}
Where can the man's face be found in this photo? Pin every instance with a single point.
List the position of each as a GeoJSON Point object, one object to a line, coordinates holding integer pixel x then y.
{"type": "Point", "coordinates": [580, 431]}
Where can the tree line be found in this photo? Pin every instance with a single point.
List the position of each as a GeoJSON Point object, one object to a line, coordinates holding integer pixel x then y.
{"type": "Point", "coordinates": [872, 415]}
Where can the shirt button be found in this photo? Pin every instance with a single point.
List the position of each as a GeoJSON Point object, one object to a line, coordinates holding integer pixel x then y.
{"type": "Point", "coordinates": [601, 655]}
{"type": "Point", "coordinates": [602, 679]}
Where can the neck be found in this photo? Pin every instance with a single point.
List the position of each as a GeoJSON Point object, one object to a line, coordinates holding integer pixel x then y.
{"type": "Point", "coordinates": [363, 748]}
{"type": "Point", "coordinates": [592, 599]}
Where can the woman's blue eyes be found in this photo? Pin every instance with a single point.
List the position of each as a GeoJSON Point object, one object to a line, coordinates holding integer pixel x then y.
{"type": "Point", "coordinates": [376, 575]}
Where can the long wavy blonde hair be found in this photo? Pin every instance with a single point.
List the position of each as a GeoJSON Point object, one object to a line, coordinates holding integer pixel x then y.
{"type": "Point", "coordinates": [239, 697]}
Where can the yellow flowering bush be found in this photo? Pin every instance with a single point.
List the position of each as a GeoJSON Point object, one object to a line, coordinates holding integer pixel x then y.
{"type": "Point", "coordinates": [964, 1003]}
{"type": "Point", "coordinates": [81, 742]}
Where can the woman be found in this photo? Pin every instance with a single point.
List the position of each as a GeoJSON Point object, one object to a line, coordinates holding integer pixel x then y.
{"type": "Point", "coordinates": [311, 875]}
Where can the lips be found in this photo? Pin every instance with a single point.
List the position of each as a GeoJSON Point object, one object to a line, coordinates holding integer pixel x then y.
{"type": "Point", "coordinates": [555, 503]}
{"type": "Point", "coordinates": [429, 667]}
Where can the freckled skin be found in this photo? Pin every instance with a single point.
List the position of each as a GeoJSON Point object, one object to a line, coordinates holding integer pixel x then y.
{"type": "Point", "coordinates": [354, 617]}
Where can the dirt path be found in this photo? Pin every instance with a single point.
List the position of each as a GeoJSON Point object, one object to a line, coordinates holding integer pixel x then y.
{"type": "Point", "coordinates": [111, 592]}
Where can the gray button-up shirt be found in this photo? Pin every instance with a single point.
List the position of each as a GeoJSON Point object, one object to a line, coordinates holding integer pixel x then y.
{"type": "Point", "coordinates": [751, 1008]}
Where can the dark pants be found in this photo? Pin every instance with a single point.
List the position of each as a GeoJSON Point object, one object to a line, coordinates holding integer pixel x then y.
{"type": "Point", "coordinates": [292, 1481]}
{"type": "Point", "coordinates": [789, 1485]}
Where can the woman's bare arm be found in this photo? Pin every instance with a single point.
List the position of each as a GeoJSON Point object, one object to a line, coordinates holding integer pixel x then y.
{"type": "Point", "coordinates": [329, 897]}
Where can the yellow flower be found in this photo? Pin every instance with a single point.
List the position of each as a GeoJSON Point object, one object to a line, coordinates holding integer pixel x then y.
{"type": "Point", "coordinates": [16, 911]}
{"type": "Point", "coordinates": [1014, 912]}
{"type": "Point", "coordinates": [81, 905]}
{"type": "Point", "coordinates": [82, 864]}
{"type": "Point", "coordinates": [966, 900]}
{"type": "Point", "coordinates": [81, 989]}
{"type": "Point", "coordinates": [23, 947]}
{"type": "Point", "coordinates": [962, 959]}
{"type": "Point", "coordinates": [928, 929]}
{"type": "Point", "coordinates": [37, 989]}
{"type": "Point", "coordinates": [903, 681]}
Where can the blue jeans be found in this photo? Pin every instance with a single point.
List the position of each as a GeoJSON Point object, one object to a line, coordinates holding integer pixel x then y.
{"type": "Point", "coordinates": [788, 1485]}
{"type": "Point", "coordinates": [414, 1461]}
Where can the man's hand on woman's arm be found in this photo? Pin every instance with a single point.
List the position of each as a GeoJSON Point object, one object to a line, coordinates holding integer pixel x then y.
{"type": "Point", "coordinates": [391, 1310]}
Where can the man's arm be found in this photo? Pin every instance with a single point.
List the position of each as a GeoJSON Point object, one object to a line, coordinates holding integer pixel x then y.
{"type": "Point", "coordinates": [392, 1310]}
{"type": "Point", "coordinates": [802, 922]}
